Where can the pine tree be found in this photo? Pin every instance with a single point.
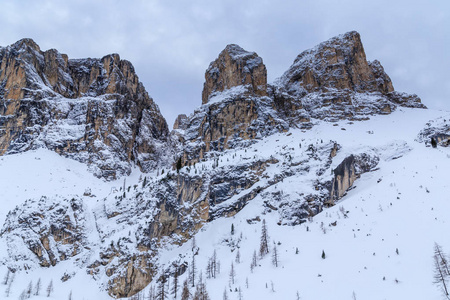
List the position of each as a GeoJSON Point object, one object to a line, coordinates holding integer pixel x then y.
{"type": "Point", "coordinates": [50, 288]}
{"type": "Point", "coordinates": [240, 297]}
{"type": "Point", "coordinates": [232, 229]}
{"type": "Point", "coordinates": [23, 295]}
{"type": "Point", "coordinates": [144, 183]}
{"type": "Point", "coordinates": [5, 280]}
{"type": "Point", "coordinates": [215, 265]}
{"type": "Point", "coordinates": [298, 296]}
{"type": "Point", "coordinates": [70, 295]}
{"type": "Point", "coordinates": [29, 289]}
{"type": "Point", "coordinates": [225, 294]}
{"type": "Point", "coordinates": [185, 294]}
{"type": "Point", "coordinates": [232, 274]}
{"type": "Point", "coordinates": [275, 256]}
{"type": "Point", "coordinates": [238, 257]}
{"type": "Point", "coordinates": [8, 288]}
{"type": "Point", "coordinates": [37, 288]}
{"type": "Point", "coordinates": [323, 254]}
{"type": "Point", "coordinates": [254, 261]}
{"type": "Point", "coordinates": [179, 165]}
{"type": "Point", "coordinates": [264, 246]}
{"type": "Point", "coordinates": [175, 284]}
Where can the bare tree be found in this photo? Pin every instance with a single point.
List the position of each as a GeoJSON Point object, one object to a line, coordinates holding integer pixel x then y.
{"type": "Point", "coordinates": [264, 245]}
{"type": "Point", "coordinates": [6, 278]}
{"type": "Point", "coordinates": [29, 289]}
{"type": "Point", "coordinates": [23, 295]}
{"type": "Point", "coordinates": [254, 261]}
{"type": "Point", "coordinates": [275, 257]}
{"type": "Point", "coordinates": [201, 293]}
{"type": "Point", "coordinates": [175, 283]}
{"type": "Point", "coordinates": [151, 293]}
{"type": "Point", "coordinates": [232, 274]}
{"type": "Point", "coordinates": [193, 270]}
{"type": "Point", "coordinates": [212, 266]}
{"type": "Point", "coordinates": [37, 288]}
{"type": "Point", "coordinates": [240, 297]}
{"type": "Point", "coordinates": [225, 294]}
{"type": "Point", "coordinates": [162, 292]}
{"type": "Point", "coordinates": [440, 270]}
{"type": "Point", "coordinates": [70, 295]}
{"type": "Point", "coordinates": [50, 288]}
{"type": "Point", "coordinates": [8, 288]}
{"type": "Point", "coordinates": [238, 257]}
{"type": "Point", "coordinates": [185, 294]}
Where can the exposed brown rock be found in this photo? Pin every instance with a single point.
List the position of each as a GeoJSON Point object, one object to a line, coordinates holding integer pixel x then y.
{"type": "Point", "coordinates": [235, 67]}
{"type": "Point", "coordinates": [181, 122]}
{"type": "Point", "coordinates": [113, 122]}
{"type": "Point", "coordinates": [347, 172]}
{"type": "Point", "coordinates": [339, 63]}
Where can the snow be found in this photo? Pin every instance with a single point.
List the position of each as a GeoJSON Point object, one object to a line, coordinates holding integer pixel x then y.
{"type": "Point", "coordinates": [361, 249]}
{"type": "Point", "coordinates": [403, 205]}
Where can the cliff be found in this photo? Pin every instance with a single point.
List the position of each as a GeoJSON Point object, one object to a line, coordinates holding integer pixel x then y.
{"type": "Point", "coordinates": [93, 110]}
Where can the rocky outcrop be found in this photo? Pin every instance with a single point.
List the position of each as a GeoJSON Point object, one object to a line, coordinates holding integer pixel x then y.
{"type": "Point", "coordinates": [235, 110]}
{"type": "Point", "coordinates": [180, 122]}
{"type": "Point", "coordinates": [337, 64]}
{"type": "Point", "coordinates": [53, 229]}
{"type": "Point", "coordinates": [235, 67]}
{"type": "Point", "coordinates": [93, 110]}
{"type": "Point", "coordinates": [335, 81]}
{"type": "Point", "coordinates": [436, 133]}
{"type": "Point", "coordinates": [345, 174]}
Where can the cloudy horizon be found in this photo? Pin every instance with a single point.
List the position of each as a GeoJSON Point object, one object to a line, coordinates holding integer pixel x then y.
{"type": "Point", "coordinates": [172, 44]}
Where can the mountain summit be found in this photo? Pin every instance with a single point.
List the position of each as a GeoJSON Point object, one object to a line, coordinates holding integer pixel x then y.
{"type": "Point", "coordinates": [93, 110]}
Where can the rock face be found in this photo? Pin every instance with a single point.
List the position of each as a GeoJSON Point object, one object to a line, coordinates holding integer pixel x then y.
{"type": "Point", "coordinates": [53, 229]}
{"type": "Point", "coordinates": [180, 122]}
{"type": "Point", "coordinates": [235, 110]}
{"type": "Point", "coordinates": [235, 67]}
{"type": "Point", "coordinates": [339, 63]}
{"type": "Point", "coordinates": [436, 133]}
{"type": "Point", "coordinates": [93, 110]}
{"type": "Point", "coordinates": [347, 172]}
{"type": "Point", "coordinates": [335, 81]}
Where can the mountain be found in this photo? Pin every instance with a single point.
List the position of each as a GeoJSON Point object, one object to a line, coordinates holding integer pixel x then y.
{"type": "Point", "coordinates": [328, 156]}
{"type": "Point", "coordinates": [92, 110]}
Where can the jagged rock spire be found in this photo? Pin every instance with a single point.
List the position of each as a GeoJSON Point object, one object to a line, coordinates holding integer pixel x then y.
{"type": "Point", "coordinates": [235, 66]}
{"type": "Point", "coordinates": [339, 63]}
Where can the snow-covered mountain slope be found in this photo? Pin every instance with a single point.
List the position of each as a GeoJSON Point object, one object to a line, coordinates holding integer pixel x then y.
{"type": "Point", "coordinates": [288, 155]}
{"type": "Point", "coordinates": [400, 204]}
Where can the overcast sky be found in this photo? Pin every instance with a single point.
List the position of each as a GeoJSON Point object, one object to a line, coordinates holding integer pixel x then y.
{"type": "Point", "coordinates": [171, 43]}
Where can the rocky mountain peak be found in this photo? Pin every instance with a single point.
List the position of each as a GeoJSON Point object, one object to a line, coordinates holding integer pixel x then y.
{"type": "Point", "coordinates": [24, 43]}
{"type": "Point", "coordinates": [339, 63]}
{"type": "Point", "coordinates": [235, 67]}
{"type": "Point", "coordinates": [93, 110]}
